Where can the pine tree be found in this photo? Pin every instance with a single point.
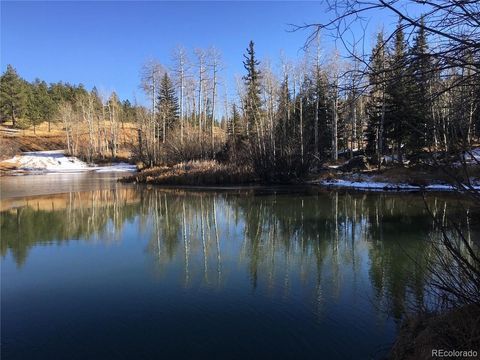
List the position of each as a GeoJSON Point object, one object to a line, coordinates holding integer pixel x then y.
{"type": "Point", "coordinates": [398, 109]}
{"type": "Point", "coordinates": [316, 116]}
{"type": "Point", "coordinates": [374, 134]}
{"type": "Point", "coordinates": [235, 136]}
{"type": "Point", "coordinates": [253, 103]}
{"type": "Point", "coordinates": [167, 106]}
{"type": "Point", "coordinates": [13, 96]}
{"type": "Point", "coordinates": [420, 72]}
{"type": "Point", "coordinates": [284, 121]}
{"type": "Point", "coordinates": [234, 126]}
{"type": "Point", "coordinates": [128, 112]}
{"type": "Point", "coordinates": [40, 105]}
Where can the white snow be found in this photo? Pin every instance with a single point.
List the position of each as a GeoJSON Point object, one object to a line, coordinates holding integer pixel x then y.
{"type": "Point", "coordinates": [373, 185]}
{"type": "Point", "coordinates": [55, 161]}
{"type": "Point", "coordinates": [472, 156]}
{"type": "Point", "coordinates": [118, 167]}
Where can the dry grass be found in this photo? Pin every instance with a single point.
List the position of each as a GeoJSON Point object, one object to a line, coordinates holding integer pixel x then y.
{"type": "Point", "coordinates": [456, 330]}
{"type": "Point", "coordinates": [15, 141]}
{"type": "Point", "coordinates": [194, 173]}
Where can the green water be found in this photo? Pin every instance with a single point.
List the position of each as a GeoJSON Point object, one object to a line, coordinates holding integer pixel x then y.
{"type": "Point", "coordinates": [105, 270]}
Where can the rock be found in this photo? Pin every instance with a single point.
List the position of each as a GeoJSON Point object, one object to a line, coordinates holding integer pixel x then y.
{"type": "Point", "coordinates": [357, 163]}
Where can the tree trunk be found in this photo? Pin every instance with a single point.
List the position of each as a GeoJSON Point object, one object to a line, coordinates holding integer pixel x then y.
{"type": "Point", "coordinates": [301, 129]}
{"type": "Point", "coordinates": [334, 131]}
{"type": "Point", "coordinates": [213, 107]}
{"type": "Point", "coordinates": [315, 128]}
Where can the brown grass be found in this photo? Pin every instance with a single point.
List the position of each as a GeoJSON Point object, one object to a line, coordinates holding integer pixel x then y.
{"type": "Point", "coordinates": [455, 330]}
{"type": "Point", "coordinates": [195, 173]}
{"type": "Point", "coordinates": [15, 141]}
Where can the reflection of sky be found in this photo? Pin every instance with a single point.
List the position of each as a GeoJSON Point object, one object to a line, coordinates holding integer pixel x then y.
{"type": "Point", "coordinates": [312, 285]}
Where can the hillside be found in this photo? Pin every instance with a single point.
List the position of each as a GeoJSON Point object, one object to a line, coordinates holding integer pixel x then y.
{"type": "Point", "coordinates": [15, 141]}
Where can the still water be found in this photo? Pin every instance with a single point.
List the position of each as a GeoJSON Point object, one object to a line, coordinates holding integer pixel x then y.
{"type": "Point", "coordinates": [91, 268]}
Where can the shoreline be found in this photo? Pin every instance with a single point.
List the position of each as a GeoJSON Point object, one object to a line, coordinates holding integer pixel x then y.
{"type": "Point", "coordinates": [391, 186]}
{"type": "Point", "coordinates": [56, 162]}
{"type": "Point", "coordinates": [210, 174]}
{"type": "Point", "coordinates": [321, 184]}
{"type": "Point", "coordinates": [207, 176]}
{"type": "Point", "coordinates": [363, 186]}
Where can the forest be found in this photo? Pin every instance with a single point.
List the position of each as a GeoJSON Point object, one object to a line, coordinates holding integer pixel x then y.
{"type": "Point", "coordinates": [402, 105]}
{"type": "Point", "coordinates": [395, 108]}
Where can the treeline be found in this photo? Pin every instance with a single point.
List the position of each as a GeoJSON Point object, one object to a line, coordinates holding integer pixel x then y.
{"type": "Point", "coordinates": [400, 106]}
{"type": "Point", "coordinates": [415, 103]}
{"type": "Point", "coordinates": [91, 120]}
{"type": "Point", "coordinates": [403, 104]}
{"type": "Point", "coordinates": [283, 122]}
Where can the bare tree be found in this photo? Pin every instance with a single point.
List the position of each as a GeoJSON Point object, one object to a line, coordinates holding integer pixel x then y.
{"type": "Point", "coordinates": [202, 79]}
{"type": "Point", "coordinates": [215, 64]}
{"type": "Point", "coordinates": [270, 91]}
{"type": "Point", "coordinates": [67, 116]}
{"type": "Point", "coordinates": [150, 77]}
{"type": "Point", "coordinates": [334, 71]}
{"type": "Point", "coordinates": [181, 67]}
{"type": "Point", "coordinates": [317, 74]}
{"type": "Point", "coordinates": [113, 112]}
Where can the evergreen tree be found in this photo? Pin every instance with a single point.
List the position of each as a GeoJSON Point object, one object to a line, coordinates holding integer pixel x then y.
{"type": "Point", "coordinates": [316, 90]}
{"type": "Point", "coordinates": [235, 145]}
{"type": "Point", "coordinates": [420, 72]}
{"type": "Point", "coordinates": [128, 112]}
{"type": "Point", "coordinates": [253, 103]}
{"type": "Point", "coordinates": [40, 105]}
{"type": "Point", "coordinates": [398, 109]}
{"type": "Point", "coordinates": [234, 125]}
{"type": "Point", "coordinates": [167, 106]}
{"type": "Point", "coordinates": [284, 114]}
{"type": "Point", "coordinates": [13, 96]}
{"type": "Point", "coordinates": [98, 103]}
{"type": "Point", "coordinates": [374, 133]}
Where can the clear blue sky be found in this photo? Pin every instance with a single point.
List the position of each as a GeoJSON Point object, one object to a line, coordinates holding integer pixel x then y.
{"type": "Point", "coordinates": [105, 43]}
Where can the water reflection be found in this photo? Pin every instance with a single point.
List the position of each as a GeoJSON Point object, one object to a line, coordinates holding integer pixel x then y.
{"type": "Point", "coordinates": [91, 216]}
{"type": "Point", "coordinates": [326, 243]}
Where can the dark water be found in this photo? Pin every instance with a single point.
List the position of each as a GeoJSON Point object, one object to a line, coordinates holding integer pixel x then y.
{"type": "Point", "coordinates": [112, 271]}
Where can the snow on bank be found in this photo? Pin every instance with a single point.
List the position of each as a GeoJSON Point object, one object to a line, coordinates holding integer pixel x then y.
{"type": "Point", "coordinates": [56, 161]}
{"type": "Point", "coordinates": [385, 186]}
{"type": "Point", "coordinates": [473, 156]}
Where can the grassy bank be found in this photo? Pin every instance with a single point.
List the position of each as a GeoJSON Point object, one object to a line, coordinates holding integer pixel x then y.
{"type": "Point", "coordinates": [214, 173]}
{"type": "Point", "coordinates": [42, 138]}
{"type": "Point", "coordinates": [207, 172]}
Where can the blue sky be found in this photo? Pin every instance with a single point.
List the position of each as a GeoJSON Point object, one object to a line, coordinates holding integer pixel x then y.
{"type": "Point", "coordinates": [105, 43]}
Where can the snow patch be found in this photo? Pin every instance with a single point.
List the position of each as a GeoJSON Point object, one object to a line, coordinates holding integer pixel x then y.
{"type": "Point", "coordinates": [472, 156]}
{"type": "Point", "coordinates": [381, 186]}
{"type": "Point", "coordinates": [56, 162]}
{"type": "Point", "coordinates": [118, 167]}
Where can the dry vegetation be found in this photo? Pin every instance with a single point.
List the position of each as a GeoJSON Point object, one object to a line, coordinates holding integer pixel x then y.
{"type": "Point", "coordinates": [207, 172]}
{"type": "Point", "coordinates": [14, 141]}
{"type": "Point", "coordinates": [416, 175]}
{"type": "Point", "coordinates": [458, 329]}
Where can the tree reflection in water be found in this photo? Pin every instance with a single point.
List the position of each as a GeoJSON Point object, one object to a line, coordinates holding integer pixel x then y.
{"type": "Point", "coordinates": [313, 244]}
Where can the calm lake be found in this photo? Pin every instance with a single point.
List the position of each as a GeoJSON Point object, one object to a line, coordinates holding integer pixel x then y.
{"type": "Point", "coordinates": [91, 268]}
